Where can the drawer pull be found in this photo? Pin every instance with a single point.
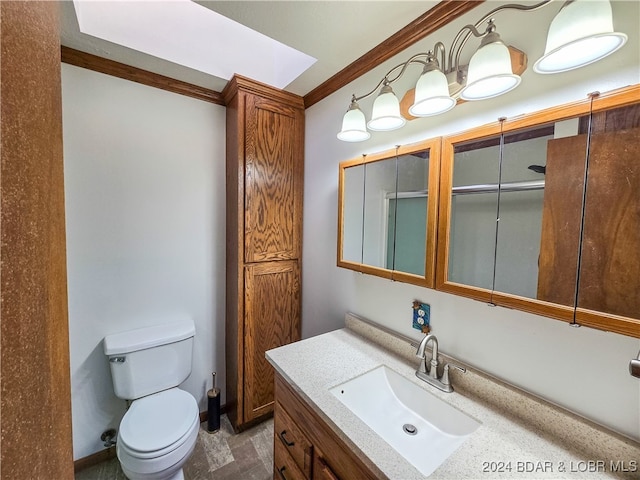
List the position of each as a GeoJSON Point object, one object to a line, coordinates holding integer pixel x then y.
{"type": "Point", "coordinates": [284, 439]}
{"type": "Point", "coordinates": [281, 472]}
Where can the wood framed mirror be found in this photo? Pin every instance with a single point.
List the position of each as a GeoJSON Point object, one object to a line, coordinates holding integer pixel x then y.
{"type": "Point", "coordinates": [542, 213]}
{"type": "Point", "coordinates": [387, 213]}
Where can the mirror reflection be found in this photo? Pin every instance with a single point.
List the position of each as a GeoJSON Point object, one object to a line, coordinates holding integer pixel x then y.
{"type": "Point", "coordinates": [384, 212]}
{"type": "Point", "coordinates": [408, 212]}
{"type": "Point", "coordinates": [352, 211]}
{"type": "Point", "coordinates": [503, 198]}
{"type": "Point", "coordinates": [379, 186]}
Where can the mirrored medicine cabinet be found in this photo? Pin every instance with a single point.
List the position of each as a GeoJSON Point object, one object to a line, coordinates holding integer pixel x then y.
{"type": "Point", "coordinates": [540, 213]}
{"type": "Point", "coordinates": [388, 213]}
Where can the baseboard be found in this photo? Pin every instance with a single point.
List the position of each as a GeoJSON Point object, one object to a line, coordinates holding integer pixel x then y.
{"type": "Point", "coordinates": [109, 453]}
{"type": "Point", "coordinates": [204, 416]}
{"type": "Point", "coordinates": [94, 459]}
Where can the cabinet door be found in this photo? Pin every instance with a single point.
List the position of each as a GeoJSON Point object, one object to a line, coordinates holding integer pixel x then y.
{"type": "Point", "coordinates": [273, 181]}
{"type": "Point", "coordinates": [272, 305]}
{"type": "Point", "coordinates": [609, 286]}
{"type": "Point", "coordinates": [322, 470]}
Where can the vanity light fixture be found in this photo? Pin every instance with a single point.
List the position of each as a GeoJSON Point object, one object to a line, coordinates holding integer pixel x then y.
{"type": "Point", "coordinates": [581, 33]}
{"type": "Point", "coordinates": [385, 114]}
{"type": "Point", "coordinates": [432, 91]}
{"type": "Point", "coordinates": [490, 73]}
{"type": "Point", "coordinates": [354, 125]}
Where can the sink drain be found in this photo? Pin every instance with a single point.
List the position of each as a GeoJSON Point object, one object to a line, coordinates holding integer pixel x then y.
{"type": "Point", "coordinates": [409, 429]}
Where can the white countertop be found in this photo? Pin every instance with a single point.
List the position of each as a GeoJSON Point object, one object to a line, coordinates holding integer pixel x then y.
{"type": "Point", "coordinates": [500, 448]}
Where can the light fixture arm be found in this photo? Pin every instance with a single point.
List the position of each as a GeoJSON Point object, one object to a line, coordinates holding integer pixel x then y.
{"type": "Point", "coordinates": [453, 60]}
{"type": "Point", "coordinates": [386, 81]}
{"type": "Point", "coordinates": [443, 53]}
{"type": "Point", "coordinates": [465, 33]}
{"type": "Point", "coordinates": [490, 71]}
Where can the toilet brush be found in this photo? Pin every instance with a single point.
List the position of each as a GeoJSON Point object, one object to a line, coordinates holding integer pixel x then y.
{"type": "Point", "coordinates": [213, 416]}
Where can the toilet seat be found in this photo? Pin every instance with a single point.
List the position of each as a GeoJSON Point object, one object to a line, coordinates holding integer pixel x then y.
{"type": "Point", "coordinates": [156, 424]}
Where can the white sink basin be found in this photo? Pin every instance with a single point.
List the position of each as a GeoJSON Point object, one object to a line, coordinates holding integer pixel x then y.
{"type": "Point", "coordinates": [386, 402]}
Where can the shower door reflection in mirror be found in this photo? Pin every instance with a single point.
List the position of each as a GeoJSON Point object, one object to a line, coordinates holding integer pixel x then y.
{"type": "Point", "coordinates": [493, 227]}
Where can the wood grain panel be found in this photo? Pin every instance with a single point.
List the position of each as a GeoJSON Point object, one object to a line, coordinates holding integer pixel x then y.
{"type": "Point", "coordinates": [271, 183]}
{"type": "Point", "coordinates": [35, 390]}
{"type": "Point", "coordinates": [138, 75]}
{"type": "Point", "coordinates": [321, 468]}
{"type": "Point", "coordinates": [608, 322]}
{"type": "Point", "coordinates": [265, 155]}
{"type": "Point", "coordinates": [561, 214]}
{"type": "Point", "coordinates": [272, 303]}
{"type": "Point", "coordinates": [252, 87]}
{"type": "Point", "coordinates": [234, 306]}
{"type": "Point", "coordinates": [610, 266]}
{"type": "Point", "coordinates": [423, 26]}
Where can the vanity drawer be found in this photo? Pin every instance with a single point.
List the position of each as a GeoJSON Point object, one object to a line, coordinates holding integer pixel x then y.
{"type": "Point", "coordinates": [288, 435]}
{"type": "Point", "coordinates": [284, 467]}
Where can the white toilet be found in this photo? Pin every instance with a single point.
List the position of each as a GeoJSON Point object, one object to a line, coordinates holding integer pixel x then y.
{"type": "Point", "coordinates": [159, 430]}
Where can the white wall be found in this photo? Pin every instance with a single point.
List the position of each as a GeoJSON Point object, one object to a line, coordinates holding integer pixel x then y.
{"type": "Point", "coordinates": [582, 369]}
{"type": "Point", "coordinates": [145, 214]}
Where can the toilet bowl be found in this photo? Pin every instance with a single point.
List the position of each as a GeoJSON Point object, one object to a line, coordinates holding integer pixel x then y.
{"type": "Point", "coordinates": [159, 430]}
{"type": "Point", "coordinates": [157, 435]}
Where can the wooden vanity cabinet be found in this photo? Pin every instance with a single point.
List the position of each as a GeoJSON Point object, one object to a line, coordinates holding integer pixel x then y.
{"type": "Point", "coordinates": [264, 175]}
{"type": "Point", "coordinates": [306, 448]}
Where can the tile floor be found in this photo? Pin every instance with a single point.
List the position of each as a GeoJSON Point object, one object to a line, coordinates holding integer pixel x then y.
{"type": "Point", "coordinates": [223, 455]}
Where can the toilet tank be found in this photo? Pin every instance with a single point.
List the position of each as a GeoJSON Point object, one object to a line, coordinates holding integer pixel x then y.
{"type": "Point", "coordinates": [151, 359]}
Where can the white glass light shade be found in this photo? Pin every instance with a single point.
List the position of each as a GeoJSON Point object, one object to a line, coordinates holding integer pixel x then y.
{"type": "Point", "coordinates": [354, 126]}
{"type": "Point", "coordinates": [385, 114]}
{"type": "Point", "coordinates": [432, 95]}
{"type": "Point", "coordinates": [490, 73]}
{"type": "Point", "coordinates": [581, 33]}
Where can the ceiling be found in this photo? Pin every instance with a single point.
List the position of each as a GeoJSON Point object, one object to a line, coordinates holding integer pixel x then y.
{"type": "Point", "coordinates": [336, 33]}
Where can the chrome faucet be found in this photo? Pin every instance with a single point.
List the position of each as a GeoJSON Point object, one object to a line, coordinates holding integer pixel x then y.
{"type": "Point", "coordinates": [429, 373]}
{"type": "Point", "coordinates": [432, 369]}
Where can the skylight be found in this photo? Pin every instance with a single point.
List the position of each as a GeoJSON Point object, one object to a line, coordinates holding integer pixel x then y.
{"type": "Point", "coordinates": [191, 35]}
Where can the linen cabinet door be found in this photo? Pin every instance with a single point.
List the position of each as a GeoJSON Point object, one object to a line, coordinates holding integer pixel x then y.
{"type": "Point", "coordinates": [273, 181]}
{"type": "Point", "coordinates": [272, 311]}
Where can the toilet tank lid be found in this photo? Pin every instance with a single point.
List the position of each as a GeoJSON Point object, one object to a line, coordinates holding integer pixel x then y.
{"type": "Point", "coordinates": [148, 337]}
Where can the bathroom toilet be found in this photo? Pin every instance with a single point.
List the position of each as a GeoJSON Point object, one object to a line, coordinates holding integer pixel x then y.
{"type": "Point", "coordinates": [159, 431]}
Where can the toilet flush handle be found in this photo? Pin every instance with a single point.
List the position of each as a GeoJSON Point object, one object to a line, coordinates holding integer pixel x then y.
{"type": "Point", "coordinates": [117, 359]}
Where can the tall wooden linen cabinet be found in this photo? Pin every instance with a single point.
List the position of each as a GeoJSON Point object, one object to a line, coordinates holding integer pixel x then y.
{"type": "Point", "coordinates": [265, 158]}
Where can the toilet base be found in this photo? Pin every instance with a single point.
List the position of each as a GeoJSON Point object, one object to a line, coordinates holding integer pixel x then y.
{"type": "Point", "coordinates": [168, 475]}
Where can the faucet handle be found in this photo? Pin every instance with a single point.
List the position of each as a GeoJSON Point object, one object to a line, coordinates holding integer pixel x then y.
{"type": "Point", "coordinates": [445, 373]}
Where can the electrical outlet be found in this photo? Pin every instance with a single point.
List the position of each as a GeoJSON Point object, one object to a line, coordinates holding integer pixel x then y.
{"type": "Point", "coordinates": [421, 316]}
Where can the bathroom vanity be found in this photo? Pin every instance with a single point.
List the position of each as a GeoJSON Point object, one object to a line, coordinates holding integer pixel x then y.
{"type": "Point", "coordinates": [519, 435]}
{"type": "Point", "coordinates": [305, 447]}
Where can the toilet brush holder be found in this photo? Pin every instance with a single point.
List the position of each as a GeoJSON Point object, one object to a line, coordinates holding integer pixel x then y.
{"type": "Point", "coordinates": [213, 411]}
